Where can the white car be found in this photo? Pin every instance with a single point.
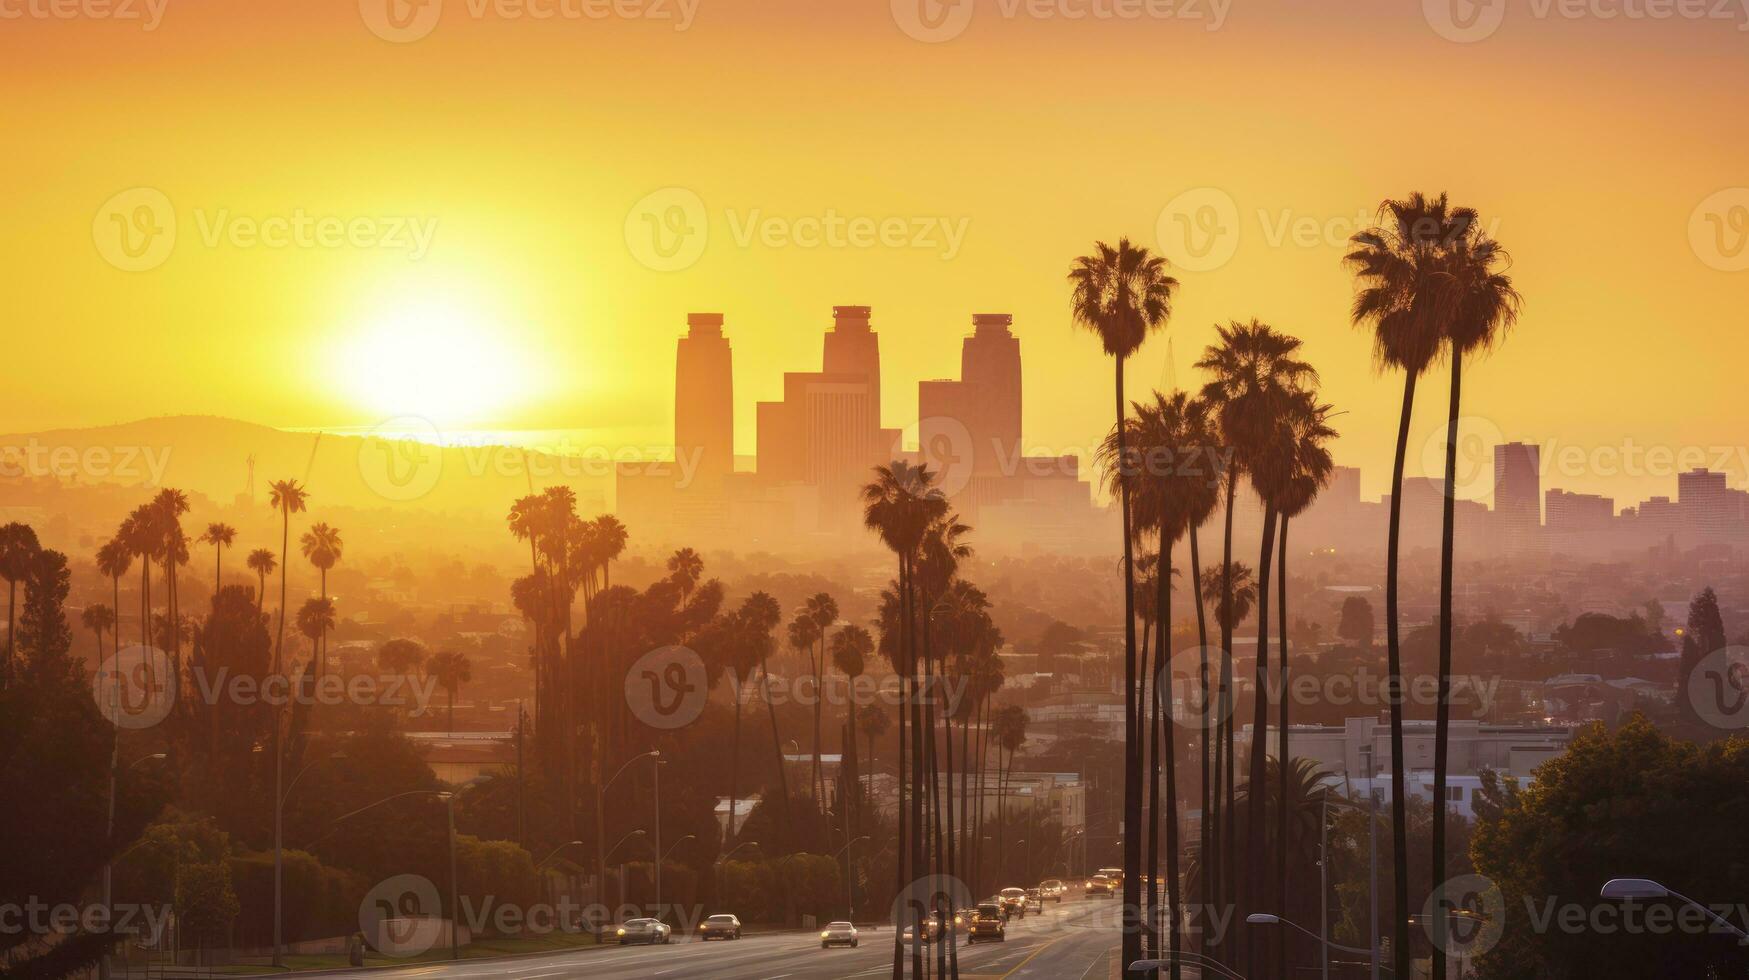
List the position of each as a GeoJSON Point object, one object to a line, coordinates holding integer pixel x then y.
{"type": "Point", "coordinates": [838, 934]}
{"type": "Point", "coordinates": [646, 931]}
{"type": "Point", "coordinates": [720, 927]}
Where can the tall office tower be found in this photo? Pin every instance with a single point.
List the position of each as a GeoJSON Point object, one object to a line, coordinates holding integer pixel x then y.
{"type": "Point", "coordinates": [704, 397]}
{"type": "Point", "coordinates": [1705, 502]}
{"type": "Point", "coordinates": [852, 347]}
{"type": "Point", "coordinates": [990, 366]}
{"type": "Point", "coordinates": [1517, 494]}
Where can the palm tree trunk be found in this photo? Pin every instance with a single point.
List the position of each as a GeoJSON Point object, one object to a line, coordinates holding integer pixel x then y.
{"type": "Point", "coordinates": [11, 625]}
{"type": "Point", "coordinates": [1281, 822]}
{"type": "Point", "coordinates": [284, 565]}
{"type": "Point", "coordinates": [218, 559]}
{"type": "Point", "coordinates": [1256, 855]}
{"type": "Point", "coordinates": [1229, 832]}
{"type": "Point", "coordinates": [734, 762]}
{"type": "Point", "coordinates": [1206, 746]}
{"type": "Point", "coordinates": [1442, 723]}
{"type": "Point", "coordinates": [1132, 783]}
{"type": "Point", "coordinates": [1168, 733]}
{"type": "Point", "coordinates": [1147, 734]}
{"type": "Point", "coordinates": [1393, 694]}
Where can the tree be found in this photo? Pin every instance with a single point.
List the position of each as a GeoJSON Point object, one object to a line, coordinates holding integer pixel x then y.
{"type": "Point", "coordinates": [42, 627]}
{"type": "Point", "coordinates": [262, 562]}
{"type": "Point", "coordinates": [1703, 636]}
{"type": "Point", "coordinates": [451, 670]}
{"type": "Point", "coordinates": [401, 656]}
{"type": "Point", "coordinates": [288, 498]}
{"type": "Point", "coordinates": [220, 536]}
{"type": "Point", "coordinates": [822, 610]}
{"type": "Point", "coordinates": [322, 548]}
{"type": "Point", "coordinates": [1356, 625]}
{"type": "Point", "coordinates": [1398, 264]}
{"type": "Point", "coordinates": [97, 618]}
{"type": "Point", "coordinates": [18, 548]}
{"type": "Point", "coordinates": [113, 561]}
{"type": "Point", "coordinates": [851, 648]}
{"type": "Point", "coordinates": [1122, 294]}
{"type": "Point", "coordinates": [315, 617]}
{"type": "Point", "coordinates": [169, 506]}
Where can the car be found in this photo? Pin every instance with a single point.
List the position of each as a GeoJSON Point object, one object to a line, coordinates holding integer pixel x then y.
{"type": "Point", "coordinates": [1100, 885]}
{"type": "Point", "coordinates": [1035, 901]}
{"type": "Point", "coordinates": [720, 927]}
{"type": "Point", "coordinates": [1052, 889]}
{"type": "Point", "coordinates": [1114, 875]}
{"type": "Point", "coordinates": [838, 934]}
{"type": "Point", "coordinates": [988, 924]}
{"type": "Point", "coordinates": [646, 931]}
{"type": "Point", "coordinates": [931, 931]}
{"type": "Point", "coordinates": [962, 920]}
{"type": "Point", "coordinates": [1015, 900]}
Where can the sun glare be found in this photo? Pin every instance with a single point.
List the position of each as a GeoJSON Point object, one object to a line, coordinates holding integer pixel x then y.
{"type": "Point", "coordinates": [444, 363]}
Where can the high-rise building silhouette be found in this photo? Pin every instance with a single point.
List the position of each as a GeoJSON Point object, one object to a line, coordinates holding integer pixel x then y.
{"type": "Point", "coordinates": [1705, 502]}
{"type": "Point", "coordinates": [704, 397]}
{"type": "Point", "coordinates": [969, 430]}
{"type": "Point", "coordinates": [1518, 494]}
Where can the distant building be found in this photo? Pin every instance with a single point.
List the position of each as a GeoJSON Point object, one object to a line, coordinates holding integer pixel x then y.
{"type": "Point", "coordinates": [1518, 494]}
{"type": "Point", "coordinates": [1578, 512]}
{"type": "Point", "coordinates": [1706, 504]}
{"type": "Point", "coordinates": [704, 398]}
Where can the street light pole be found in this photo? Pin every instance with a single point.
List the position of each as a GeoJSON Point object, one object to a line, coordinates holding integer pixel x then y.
{"type": "Point", "coordinates": [279, 797]}
{"type": "Point", "coordinates": [601, 831]}
{"type": "Point", "coordinates": [455, 908]}
{"type": "Point", "coordinates": [656, 770]}
{"type": "Point", "coordinates": [109, 833]}
{"type": "Point", "coordinates": [849, 896]}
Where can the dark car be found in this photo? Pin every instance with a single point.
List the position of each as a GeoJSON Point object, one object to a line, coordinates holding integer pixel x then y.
{"type": "Point", "coordinates": [720, 927]}
{"type": "Point", "coordinates": [989, 924]}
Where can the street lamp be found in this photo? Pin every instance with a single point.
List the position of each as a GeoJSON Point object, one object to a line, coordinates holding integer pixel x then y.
{"type": "Point", "coordinates": [1197, 960]}
{"type": "Point", "coordinates": [1265, 919]}
{"type": "Point", "coordinates": [555, 853]}
{"type": "Point", "coordinates": [677, 843]}
{"type": "Point", "coordinates": [717, 865]}
{"type": "Point", "coordinates": [1644, 889]}
{"type": "Point", "coordinates": [849, 897]}
{"type": "Point", "coordinates": [622, 876]}
{"type": "Point", "coordinates": [454, 903]}
{"type": "Point", "coordinates": [601, 828]}
{"type": "Point", "coordinates": [280, 797]}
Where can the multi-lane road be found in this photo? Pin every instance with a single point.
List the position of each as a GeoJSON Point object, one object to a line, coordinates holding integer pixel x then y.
{"type": "Point", "coordinates": [1077, 940]}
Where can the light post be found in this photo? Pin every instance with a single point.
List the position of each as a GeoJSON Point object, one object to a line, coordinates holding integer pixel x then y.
{"type": "Point", "coordinates": [1324, 874]}
{"type": "Point", "coordinates": [849, 897]}
{"type": "Point", "coordinates": [1265, 919]}
{"type": "Point", "coordinates": [656, 776]}
{"type": "Point", "coordinates": [454, 902]}
{"type": "Point", "coordinates": [1642, 889]}
{"type": "Point", "coordinates": [109, 834]}
{"type": "Point", "coordinates": [601, 829]}
{"type": "Point", "coordinates": [622, 874]}
{"type": "Point", "coordinates": [280, 796]}
{"type": "Point", "coordinates": [717, 866]}
{"type": "Point", "coordinates": [555, 853]}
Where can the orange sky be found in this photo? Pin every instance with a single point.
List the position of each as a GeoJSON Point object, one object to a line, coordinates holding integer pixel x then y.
{"type": "Point", "coordinates": [522, 147]}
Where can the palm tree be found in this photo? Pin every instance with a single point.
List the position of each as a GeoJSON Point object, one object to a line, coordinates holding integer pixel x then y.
{"type": "Point", "coordinates": [170, 504]}
{"type": "Point", "coordinates": [1008, 725]}
{"type": "Point", "coordinates": [262, 562]}
{"type": "Point", "coordinates": [220, 536]}
{"type": "Point", "coordinates": [1122, 294]}
{"type": "Point", "coordinates": [315, 617]}
{"type": "Point", "coordinates": [1399, 264]}
{"type": "Point", "coordinates": [401, 657]}
{"type": "Point", "coordinates": [760, 615]}
{"type": "Point", "coordinates": [18, 548]}
{"type": "Point", "coordinates": [1479, 305]}
{"type": "Point", "coordinates": [803, 634]}
{"type": "Point", "coordinates": [97, 618]}
{"type": "Point", "coordinates": [822, 610]}
{"type": "Point", "coordinates": [322, 548]}
{"type": "Point", "coordinates": [899, 505]}
{"type": "Point", "coordinates": [288, 498]}
{"type": "Point", "coordinates": [1254, 369]}
{"type": "Point", "coordinates": [113, 561]}
{"type": "Point", "coordinates": [685, 567]}
{"type": "Point", "coordinates": [139, 531]}
{"type": "Point", "coordinates": [1304, 434]}
{"type": "Point", "coordinates": [451, 670]}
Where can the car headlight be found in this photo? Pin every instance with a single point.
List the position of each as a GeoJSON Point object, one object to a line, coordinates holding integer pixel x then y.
{"type": "Point", "coordinates": [622, 932]}
{"type": "Point", "coordinates": [825, 935]}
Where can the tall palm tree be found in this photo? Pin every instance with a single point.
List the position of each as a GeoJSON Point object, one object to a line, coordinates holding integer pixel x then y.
{"type": "Point", "coordinates": [140, 532]}
{"type": "Point", "coordinates": [1479, 305]}
{"type": "Point", "coordinates": [262, 562]}
{"type": "Point", "coordinates": [822, 610]}
{"type": "Point", "coordinates": [315, 616]}
{"type": "Point", "coordinates": [1305, 433]}
{"type": "Point", "coordinates": [287, 497]}
{"type": "Point", "coordinates": [899, 505]}
{"type": "Point", "coordinates": [170, 504]}
{"type": "Point", "coordinates": [451, 670]}
{"type": "Point", "coordinates": [113, 561]}
{"type": "Point", "coordinates": [804, 633]}
{"type": "Point", "coordinates": [220, 536]}
{"type": "Point", "coordinates": [851, 648]}
{"type": "Point", "coordinates": [1122, 294]}
{"type": "Point", "coordinates": [18, 548]}
{"type": "Point", "coordinates": [760, 614]}
{"type": "Point", "coordinates": [1399, 264]}
{"type": "Point", "coordinates": [97, 618]}
{"type": "Point", "coordinates": [685, 567]}
{"type": "Point", "coordinates": [322, 548]}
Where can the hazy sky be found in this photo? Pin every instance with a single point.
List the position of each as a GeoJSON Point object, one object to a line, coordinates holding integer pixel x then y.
{"type": "Point", "coordinates": [468, 233]}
